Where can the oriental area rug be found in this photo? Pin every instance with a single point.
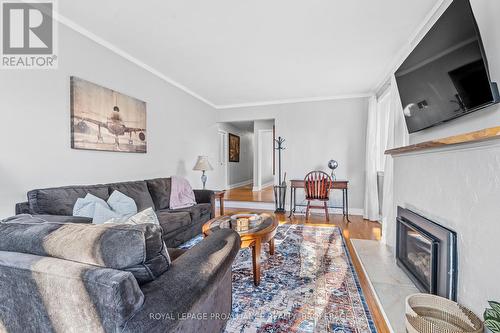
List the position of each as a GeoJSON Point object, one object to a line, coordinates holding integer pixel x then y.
{"type": "Point", "coordinates": [308, 285]}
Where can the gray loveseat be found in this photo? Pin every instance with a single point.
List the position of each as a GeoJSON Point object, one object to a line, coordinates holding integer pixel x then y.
{"type": "Point", "coordinates": [56, 205]}
{"type": "Point", "coordinates": [73, 277]}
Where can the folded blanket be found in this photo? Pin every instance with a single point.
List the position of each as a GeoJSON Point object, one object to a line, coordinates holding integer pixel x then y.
{"type": "Point", "coordinates": [181, 195]}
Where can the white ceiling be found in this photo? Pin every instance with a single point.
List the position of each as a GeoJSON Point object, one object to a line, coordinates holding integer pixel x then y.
{"type": "Point", "coordinates": [244, 52]}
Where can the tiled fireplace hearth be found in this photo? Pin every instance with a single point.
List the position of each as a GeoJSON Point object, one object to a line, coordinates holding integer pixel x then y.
{"type": "Point", "coordinates": [425, 259]}
{"type": "Point", "coordinates": [427, 253]}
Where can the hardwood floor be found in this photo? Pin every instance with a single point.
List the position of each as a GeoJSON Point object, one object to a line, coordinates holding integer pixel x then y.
{"type": "Point", "coordinates": [357, 229]}
{"type": "Point", "coordinates": [245, 193]}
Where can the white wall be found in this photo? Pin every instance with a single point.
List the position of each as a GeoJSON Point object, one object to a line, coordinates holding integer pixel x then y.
{"type": "Point", "coordinates": [240, 172]}
{"type": "Point", "coordinates": [315, 132]}
{"type": "Point", "coordinates": [486, 13]}
{"type": "Point", "coordinates": [459, 189]}
{"type": "Point", "coordinates": [35, 132]}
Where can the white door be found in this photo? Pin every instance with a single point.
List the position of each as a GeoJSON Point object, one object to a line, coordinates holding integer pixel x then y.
{"type": "Point", "coordinates": [223, 156]}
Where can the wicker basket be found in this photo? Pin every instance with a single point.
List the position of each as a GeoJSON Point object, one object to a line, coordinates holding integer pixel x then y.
{"type": "Point", "coordinates": [433, 314]}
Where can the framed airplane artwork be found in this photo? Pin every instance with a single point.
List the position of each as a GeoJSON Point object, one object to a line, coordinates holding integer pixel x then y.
{"type": "Point", "coordinates": [104, 119]}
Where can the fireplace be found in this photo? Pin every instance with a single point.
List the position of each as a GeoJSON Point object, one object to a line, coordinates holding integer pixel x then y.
{"type": "Point", "coordinates": [427, 252]}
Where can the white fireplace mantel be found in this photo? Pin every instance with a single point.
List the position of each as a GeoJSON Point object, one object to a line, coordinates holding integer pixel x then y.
{"type": "Point", "coordinates": [484, 137]}
{"type": "Point", "coordinates": [457, 185]}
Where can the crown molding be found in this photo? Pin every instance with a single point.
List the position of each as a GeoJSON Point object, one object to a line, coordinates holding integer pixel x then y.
{"type": "Point", "coordinates": [294, 100]}
{"type": "Point", "coordinates": [414, 39]}
{"type": "Point", "coordinates": [113, 48]}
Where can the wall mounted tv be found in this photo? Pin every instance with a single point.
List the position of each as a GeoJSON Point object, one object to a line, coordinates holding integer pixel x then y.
{"type": "Point", "coordinates": [446, 76]}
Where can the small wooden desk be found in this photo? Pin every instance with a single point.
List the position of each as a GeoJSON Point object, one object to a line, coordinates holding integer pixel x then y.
{"type": "Point", "coordinates": [337, 185]}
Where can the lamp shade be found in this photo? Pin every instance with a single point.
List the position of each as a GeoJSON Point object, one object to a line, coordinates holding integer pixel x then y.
{"type": "Point", "coordinates": [202, 164]}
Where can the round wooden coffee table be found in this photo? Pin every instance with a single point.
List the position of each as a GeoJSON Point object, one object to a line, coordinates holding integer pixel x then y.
{"type": "Point", "coordinates": [252, 235]}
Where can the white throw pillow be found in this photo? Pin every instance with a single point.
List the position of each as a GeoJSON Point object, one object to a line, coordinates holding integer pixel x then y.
{"type": "Point", "coordinates": [119, 207]}
{"type": "Point", "coordinates": [146, 216]}
{"type": "Point", "coordinates": [122, 204]}
{"type": "Point", "coordinates": [103, 213]}
{"type": "Point", "coordinates": [85, 207]}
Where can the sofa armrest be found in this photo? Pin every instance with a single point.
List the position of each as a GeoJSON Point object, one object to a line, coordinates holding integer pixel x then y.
{"type": "Point", "coordinates": [23, 208]}
{"type": "Point", "coordinates": [29, 218]}
{"type": "Point", "coordinates": [39, 292]}
{"type": "Point", "coordinates": [190, 287]}
{"type": "Point", "coordinates": [206, 196]}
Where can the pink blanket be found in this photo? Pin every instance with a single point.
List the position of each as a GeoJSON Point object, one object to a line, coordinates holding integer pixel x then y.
{"type": "Point", "coordinates": [181, 195]}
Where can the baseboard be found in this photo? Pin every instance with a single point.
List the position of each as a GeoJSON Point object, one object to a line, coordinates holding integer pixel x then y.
{"type": "Point", "coordinates": [257, 189]}
{"type": "Point", "coordinates": [240, 184]}
{"type": "Point", "coordinates": [271, 183]}
{"type": "Point", "coordinates": [271, 206]}
{"type": "Point", "coordinates": [249, 205]}
{"type": "Point", "coordinates": [352, 211]}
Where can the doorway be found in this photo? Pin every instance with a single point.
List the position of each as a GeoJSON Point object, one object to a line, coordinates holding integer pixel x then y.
{"type": "Point", "coordinates": [248, 178]}
{"type": "Point", "coordinates": [237, 164]}
{"type": "Point", "coordinates": [223, 153]}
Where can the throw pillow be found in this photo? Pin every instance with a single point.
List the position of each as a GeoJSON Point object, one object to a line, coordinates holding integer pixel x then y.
{"type": "Point", "coordinates": [119, 207]}
{"type": "Point", "coordinates": [122, 204]}
{"type": "Point", "coordinates": [146, 216]}
{"type": "Point", "coordinates": [103, 213]}
{"type": "Point", "coordinates": [85, 207]}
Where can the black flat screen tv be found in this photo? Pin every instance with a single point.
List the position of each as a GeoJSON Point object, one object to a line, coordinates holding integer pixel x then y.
{"type": "Point", "coordinates": [446, 76]}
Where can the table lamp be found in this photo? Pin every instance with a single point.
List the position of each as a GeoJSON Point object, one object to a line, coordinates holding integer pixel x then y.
{"type": "Point", "coordinates": [202, 164]}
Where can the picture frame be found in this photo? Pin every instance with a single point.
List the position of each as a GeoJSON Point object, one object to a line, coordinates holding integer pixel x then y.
{"type": "Point", "coordinates": [106, 120]}
{"type": "Point", "coordinates": [234, 148]}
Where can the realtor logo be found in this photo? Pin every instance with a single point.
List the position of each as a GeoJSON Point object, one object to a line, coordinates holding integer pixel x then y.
{"type": "Point", "coordinates": [28, 35]}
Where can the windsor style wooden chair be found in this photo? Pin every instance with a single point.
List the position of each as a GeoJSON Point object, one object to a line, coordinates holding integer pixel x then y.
{"type": "Point", "coordinates": [317, 186]}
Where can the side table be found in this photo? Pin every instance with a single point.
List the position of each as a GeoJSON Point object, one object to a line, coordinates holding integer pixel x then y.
{"type": "Point", "coordinates": [220, 195]}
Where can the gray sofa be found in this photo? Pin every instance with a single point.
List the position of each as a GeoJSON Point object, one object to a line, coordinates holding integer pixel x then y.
{"type": "Point", "coordinates": [73, 277]}
{"type": "Point", "coordinates": [56, 205]}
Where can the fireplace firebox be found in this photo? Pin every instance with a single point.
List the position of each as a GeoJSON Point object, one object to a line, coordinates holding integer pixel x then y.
{"type": "Point", "coordinates": [427, 252]}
